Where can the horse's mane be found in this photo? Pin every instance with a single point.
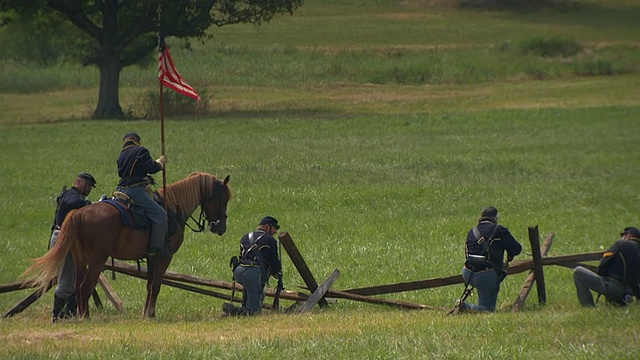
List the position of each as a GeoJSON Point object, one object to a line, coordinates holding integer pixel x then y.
{"type": "Point", "coordinates": [188, 193]}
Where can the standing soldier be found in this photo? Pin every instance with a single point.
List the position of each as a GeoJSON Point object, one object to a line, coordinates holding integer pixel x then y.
{"type": "Point", "coordinates": [64, 300]}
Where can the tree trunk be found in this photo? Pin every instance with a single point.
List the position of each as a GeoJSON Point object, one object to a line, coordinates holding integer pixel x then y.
{"type": "Point", "coordinates": [108, 97]}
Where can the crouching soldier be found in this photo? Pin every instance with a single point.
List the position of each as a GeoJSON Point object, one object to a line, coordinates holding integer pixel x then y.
{"type": "Point", "coordinates": [258, 260]}
{"type": "Point", "coordinates": [618, 273]}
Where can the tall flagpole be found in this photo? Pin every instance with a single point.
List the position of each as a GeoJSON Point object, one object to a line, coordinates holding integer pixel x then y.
{"type": "Point", "coordinates": [164, 167]}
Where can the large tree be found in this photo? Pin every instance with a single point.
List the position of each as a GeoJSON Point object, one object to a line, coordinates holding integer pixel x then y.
{"type": "Point", "coordinates": [119, 33]}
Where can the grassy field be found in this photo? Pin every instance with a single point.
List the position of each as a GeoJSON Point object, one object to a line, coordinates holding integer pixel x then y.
{"type": "Point", "coordinates": [380, 179]}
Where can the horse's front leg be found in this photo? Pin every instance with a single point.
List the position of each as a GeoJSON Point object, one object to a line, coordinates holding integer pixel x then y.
{"type": "Point", "coordinates": [157, 268]}
{"type": "Point", "coordinates": [147, 301]}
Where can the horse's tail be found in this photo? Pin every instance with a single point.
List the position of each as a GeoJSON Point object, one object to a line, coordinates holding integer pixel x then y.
{"type": "Point", "coordinates": [46, 267]}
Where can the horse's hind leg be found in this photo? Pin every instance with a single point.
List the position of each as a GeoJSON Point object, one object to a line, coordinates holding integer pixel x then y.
{"type": "Point", "coordinates": [81, 298]}
{"type": "Point", "coordinates": [89, 282]}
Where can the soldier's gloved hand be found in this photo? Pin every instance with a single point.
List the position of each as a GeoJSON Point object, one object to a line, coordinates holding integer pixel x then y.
{"type": "Point", "coordinates": [162, 161]}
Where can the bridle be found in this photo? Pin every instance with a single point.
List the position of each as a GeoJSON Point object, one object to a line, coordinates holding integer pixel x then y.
{"type": "Point", "coordinates": [200, 223]}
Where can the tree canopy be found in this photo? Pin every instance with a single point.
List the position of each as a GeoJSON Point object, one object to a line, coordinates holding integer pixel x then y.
{"type": "Point", "coordinates": [118, 33]}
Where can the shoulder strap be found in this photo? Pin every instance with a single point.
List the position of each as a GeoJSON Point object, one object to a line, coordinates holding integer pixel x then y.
{"type": "Point", "coordinates": [58, 200]}
{"type": "Point", "coordinates": [253, 241]}
{"type": "Point", "coordinates": [253, 253]}
{"type": "Point", "coordinates": [482, 241]}
{"type": "Point", "coordinates": [476, 233]}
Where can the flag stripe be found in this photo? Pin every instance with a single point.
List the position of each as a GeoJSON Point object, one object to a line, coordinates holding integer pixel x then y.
{"type": "Point", "coordinates": [169, 76]}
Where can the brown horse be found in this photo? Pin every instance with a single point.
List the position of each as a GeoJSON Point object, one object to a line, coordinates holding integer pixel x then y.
{"type": "Point", "coordinates": [95, 232]}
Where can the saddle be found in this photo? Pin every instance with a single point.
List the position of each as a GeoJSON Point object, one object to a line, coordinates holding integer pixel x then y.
{"type": "Point", "coordinates": [133, 216]}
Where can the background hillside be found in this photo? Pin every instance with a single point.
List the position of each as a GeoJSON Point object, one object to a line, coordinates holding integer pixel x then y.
{"type": "Point", "coordinates": [375, 131]}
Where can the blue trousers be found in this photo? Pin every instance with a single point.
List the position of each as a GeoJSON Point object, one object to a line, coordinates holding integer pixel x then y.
{"type": "Point", "coordinates": [586, 281]}
{"type": "Point", "coordinates": [153, 211]}
{"type": "Point", "coordinates": [487, 284]}
{"type": "Point", "coordinates": [253, 294]}
{"type": "Point", "coordinates": [67, 275]}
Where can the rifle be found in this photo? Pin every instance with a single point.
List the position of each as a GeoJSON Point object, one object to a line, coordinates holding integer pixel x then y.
{"type": "Point", "coordinates": [468, 290]}
{"type": "Point", "coordinates": [276, 298]}
{"type": "Point", "coordinates": [53, 227]}
{"type": "Point", "coordinates": [233, 263]}
{"type": "Point", "coordinates": [280, 286]}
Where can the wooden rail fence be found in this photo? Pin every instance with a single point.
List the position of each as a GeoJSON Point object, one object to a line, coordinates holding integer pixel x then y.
{"type": "Point", "coordinates": [319, 294]}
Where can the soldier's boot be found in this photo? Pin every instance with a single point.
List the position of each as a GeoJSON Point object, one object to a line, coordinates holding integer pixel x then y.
{"type": "Point", "coordinates": [156, 240]}
{"type": "Point", "coordinates": [58, 308]}
{"type": "Point", "coordinates": [229, 309]}
{"type": "Point", "coordinates": [71, 308]}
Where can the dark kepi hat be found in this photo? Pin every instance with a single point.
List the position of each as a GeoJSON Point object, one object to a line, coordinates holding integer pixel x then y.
{"type": "Point", "coordinates": [489, 212]}
{"type": "Point", "coordinates": [631, 230]}
{"type": "Point", "coordinates": [131, 135]}
{"type": "Point", "coordinates": [88, 177]}
{"type": "Point", "coordinates": [269, 220]}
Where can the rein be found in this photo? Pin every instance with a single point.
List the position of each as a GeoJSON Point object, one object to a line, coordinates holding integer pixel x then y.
{"type": "Point", "coordinates": [200, 223]}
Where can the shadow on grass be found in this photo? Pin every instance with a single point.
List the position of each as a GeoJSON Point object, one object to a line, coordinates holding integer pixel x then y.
{"type": "Point", "coordinates": [229, 115]}
{"type": "Point", "coordinates": [570, 12]}
{"type": "Point", "coordinates": [288, 114]}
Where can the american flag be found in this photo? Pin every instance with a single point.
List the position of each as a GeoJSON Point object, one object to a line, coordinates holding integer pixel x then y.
{"type": "Point", "coordinates": [169, 76]}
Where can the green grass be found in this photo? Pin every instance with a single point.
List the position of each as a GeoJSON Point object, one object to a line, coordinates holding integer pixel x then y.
{"type": "Point", "coordinates": [382, 198]}
{"type": "Point", "coordinates": [380, 179]}
{"type": "Point", "coordinates": [376, 333]}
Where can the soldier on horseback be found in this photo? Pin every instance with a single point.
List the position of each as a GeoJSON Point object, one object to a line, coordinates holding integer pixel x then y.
{"type": "Point", "coordinates": [134, 165]}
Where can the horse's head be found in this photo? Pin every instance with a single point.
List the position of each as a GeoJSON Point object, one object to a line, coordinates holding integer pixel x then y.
{"type": "Point", "coordinates": [215, 207]}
